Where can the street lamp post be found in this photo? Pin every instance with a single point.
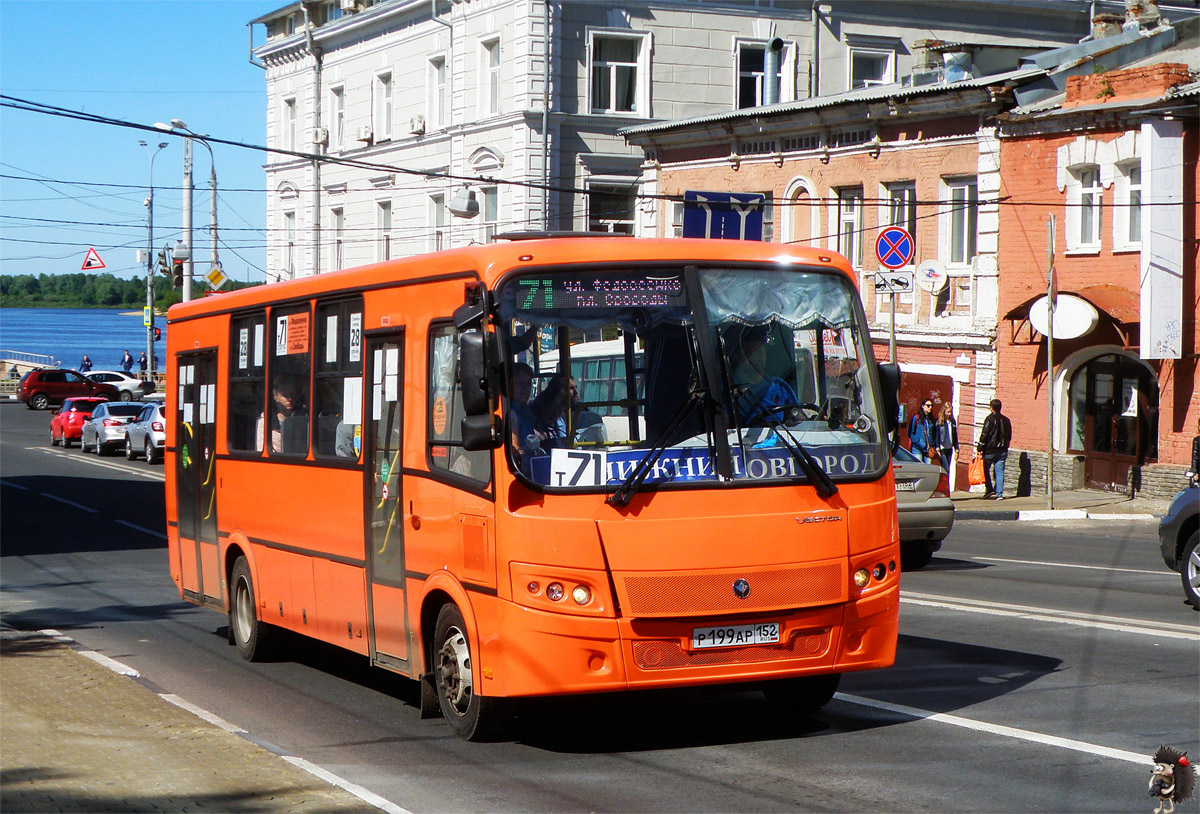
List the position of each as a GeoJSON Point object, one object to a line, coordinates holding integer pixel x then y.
{"type": "Point", "coordinates": [189, 138]}
{"type": "Point", "coordinates": [150, 262]}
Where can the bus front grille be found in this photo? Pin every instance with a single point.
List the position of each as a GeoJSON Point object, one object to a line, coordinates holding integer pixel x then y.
{"type": "Point", "coordinates": [713, 593]}
{"type": "Point", "coordinates": [665, 654]}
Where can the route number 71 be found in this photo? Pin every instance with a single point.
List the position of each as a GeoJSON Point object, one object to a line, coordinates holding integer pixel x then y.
{"type": "Point", "coordinates": [575, 467]}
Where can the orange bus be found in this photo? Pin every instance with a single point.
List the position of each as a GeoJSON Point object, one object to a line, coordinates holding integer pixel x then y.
{"type": "Point", "coordinates": [394, 459]}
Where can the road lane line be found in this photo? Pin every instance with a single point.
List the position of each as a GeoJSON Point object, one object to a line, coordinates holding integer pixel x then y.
{"type": "Point", "coordinates": [1119, 624]}
{"type": "Point", "coordinates": [68, 502]}
{"type": "Point", "coordinates": [125, 470]}
{"type": "Point", "coordinates": [1161, 572]}
{"type": "Point", "coordinates": [142, 529]}
{"type": "Point", "coordinates": [358, 791]}
{"type": "Point", "coordinates": [997, 729]}
{"type": "Point", "coordinates": [14, 485]}
{"type": "Point", "coordinates": [202, 713]}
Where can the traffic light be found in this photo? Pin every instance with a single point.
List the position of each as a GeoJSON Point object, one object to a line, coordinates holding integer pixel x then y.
{"type": "Point", "coordinates": [177, 273]}
{"type": "Point", "coordinates": [163, 268]}
{"type": "Point", "coordinates": [157, 334]}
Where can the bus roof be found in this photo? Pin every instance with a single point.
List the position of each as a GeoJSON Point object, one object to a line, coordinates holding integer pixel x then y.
{"type": "Point", "coordinates": [489, 262]}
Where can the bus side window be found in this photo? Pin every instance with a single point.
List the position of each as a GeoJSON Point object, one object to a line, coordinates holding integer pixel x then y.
{"type": "Point", "coordinates": [283, 427]}
{"type": "Point", "coordinates": [337, 399]}
{"type": "Point", "coordinates": [247, 380]}
{"type": "Point", "coordinates": [445, 411]}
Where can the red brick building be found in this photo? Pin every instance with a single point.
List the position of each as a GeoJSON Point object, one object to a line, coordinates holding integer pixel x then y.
{"type": "Point", "coordinates": [1114, 161]}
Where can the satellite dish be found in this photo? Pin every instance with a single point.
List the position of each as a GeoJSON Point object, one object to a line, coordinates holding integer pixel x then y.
{"type": "Point", "coordinates": [1073, 317]}
{"type": "Point", "coordinates": [931, 276]}
{"type": "Point", "coordinates": [463, 203]}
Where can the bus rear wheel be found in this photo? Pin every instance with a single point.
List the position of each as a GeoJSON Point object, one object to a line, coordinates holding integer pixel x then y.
{"type": "Point", "coordinates": [252, 637]}
{"type": "Point", "coordinates": [800, 696]}
{"type": "Point", "coordinates": [470, 715]}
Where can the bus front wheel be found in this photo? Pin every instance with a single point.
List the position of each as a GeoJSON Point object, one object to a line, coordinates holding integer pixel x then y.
{"type": "Point", "coordinates": [471, 716]}
{"type": "Point", "coordinates": [251, 636]}
{"type": "Point", "coordinates": [802, 695]}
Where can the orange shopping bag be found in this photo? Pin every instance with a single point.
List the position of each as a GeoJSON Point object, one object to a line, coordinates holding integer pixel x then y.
{"type": "Point", "coordinates": [975, 474]}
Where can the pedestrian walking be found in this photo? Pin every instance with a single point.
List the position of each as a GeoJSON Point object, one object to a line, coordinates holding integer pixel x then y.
{"type": "Point", "coordinates": [922, 429]}
{"type": "Point", "coordinates": [85, 364]}
{"type": "Point", "coordinates": [141, 362]}
{"type": "Point", "coordinates": [994, 439]}
{"type": "Point", "coordinates": [127, 361]}
{"type": "Point", "coordinates": [947, 435]}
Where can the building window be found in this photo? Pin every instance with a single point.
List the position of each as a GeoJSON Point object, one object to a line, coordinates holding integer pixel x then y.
{"type": "Point", "coordinates": [849, 220]}
{"type": "Point", "coordinates": [1089, 206]}
{"type": "Point", "coordinates": [338, 218]}
{"type": "Point", "coordinates": [962, 213]}
{"type": "Point", "coordinates": [337, 118]}
{"type": "Point", "coordinates": [289, 246]}
{"type": "Point", "coordinates": [437, 92]}
{"type": "Point", "coordinates": [870, 66]}
{"type": "Point", "coordinates": [902, 209]}
{"type": "Point", "coordinates": [437, 221]}
{"type": "Point", "coordinates": [677, 219]}
{"type": "Point", "coordinates": [611, 208]}
{"type": "Point", "coordinates": [1127, 215]}
{"type": "Point", "coordinates": [955, 297]}
{"type": "Point", "coordinates": [616, 74]}
{"type": "Point", "coordinates": [383, 107]}
{"type": "Point", "coordinates": [751, 72]}
{"type": "Point", "coordinates": [490, 209]}
{"type": "Point", "coordinates": [1135, 203]}
{"type": "Point", "coordinates": [490, 69]}
{"type": "Point", "coordinates": [384, 225]}
{"type": "Point", "coordinates": [289, 124]}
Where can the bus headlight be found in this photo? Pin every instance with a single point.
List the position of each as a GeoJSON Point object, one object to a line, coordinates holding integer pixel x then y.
{"type": "Point", "coordinates": [554, 591]}
{"type": "Point", "coordinates": [862, 577]}
{"type": "Point", "coordinates": [582, 595]}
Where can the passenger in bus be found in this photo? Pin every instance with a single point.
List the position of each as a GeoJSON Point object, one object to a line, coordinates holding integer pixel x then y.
{"type": "Point", "coordinates": [759, 396]}
{"type": "Point", "coordinates": [587, 426]}
{"type": "Point", "coordinates": [549, 411]}
{"type": "Point", "coordinates": [288, 421]}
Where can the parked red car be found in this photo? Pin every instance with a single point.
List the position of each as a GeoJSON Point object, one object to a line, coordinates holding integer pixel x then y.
{"type": "Point", "coordinates": [45, 386]}
{"type": "Point", "coordinates": [66, 425]}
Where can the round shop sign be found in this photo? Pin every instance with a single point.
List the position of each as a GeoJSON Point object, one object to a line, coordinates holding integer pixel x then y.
{"type": "Point", "coordinates": [1073, 317]}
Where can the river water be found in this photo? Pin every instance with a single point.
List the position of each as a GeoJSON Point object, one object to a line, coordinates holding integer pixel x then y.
{"type": "Point", "coordinates": [68, 333]}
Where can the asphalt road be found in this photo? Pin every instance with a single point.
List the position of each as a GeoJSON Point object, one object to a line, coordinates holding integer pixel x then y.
{"type": "Point", "coordinates": [1039, 666]}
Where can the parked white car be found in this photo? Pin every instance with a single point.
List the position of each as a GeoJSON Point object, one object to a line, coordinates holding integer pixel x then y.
{"type": "Point", "coordinates": [131, 387]}
{"type": "Point", "coordinates": [146, 434]}
{"type": "Point", "coordinates": [105, 430]}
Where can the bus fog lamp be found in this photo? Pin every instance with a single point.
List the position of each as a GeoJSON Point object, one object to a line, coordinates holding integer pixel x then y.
{"type": "Point", "coordinates": [582, 595]}
{"type": "Point", "coordinates": [880, 571]}
{"type": "Point", "coordinates": [861, 578]}
{"type": "Point", "coordinates": [534, 586]}
{"type": "Point", "coordinates": [554, 591]}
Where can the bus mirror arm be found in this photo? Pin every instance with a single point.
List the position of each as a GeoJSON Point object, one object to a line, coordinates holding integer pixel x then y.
{"type": "Point", "coordinates": [889, 390]}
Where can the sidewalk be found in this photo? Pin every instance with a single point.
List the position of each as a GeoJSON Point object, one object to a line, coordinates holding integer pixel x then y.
{"type": "Point", "coordinates": [77, 736]}
{"type": "Point", "coordinates": [1077, 504]}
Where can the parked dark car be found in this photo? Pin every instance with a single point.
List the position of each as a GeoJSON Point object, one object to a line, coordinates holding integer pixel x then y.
{"type": "Point", "coordinates": [66, 425]}
{"type": "Point", "coordinates": [1178, 536]}
{"type": "Point", "coordinates": [46, 386]}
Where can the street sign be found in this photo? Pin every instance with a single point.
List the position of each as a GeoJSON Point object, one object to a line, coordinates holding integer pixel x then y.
{"type": "Point", "coordinates": [894, 247]}
{"type": "Point", "coordinates": [216, 277]}
{"type": "Point", "coordinates": [92, 261]}
{"type": "Point", "coordinates": [146, 316]}
{"type": "Point", "coordinates": [931, 276]}
{"type": "Point", "coordinates": [894, 282]}
{"type": "Point", "coordinates": [734, 215]}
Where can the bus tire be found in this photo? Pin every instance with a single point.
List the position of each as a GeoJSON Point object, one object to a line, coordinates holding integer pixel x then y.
{"type": "Point", "coordinates": [471, 716]}
{"type": "Point", "coordinates": [800, 696]}
{"type": "Point", "coordinates": [251, 636]}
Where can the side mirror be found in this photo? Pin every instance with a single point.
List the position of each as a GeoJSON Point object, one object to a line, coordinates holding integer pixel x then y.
{"type": "Point", "coordinates": [479, 432]}
{"type": "Point", "coordinates": [889, 393]}
{"type": "Point", "coordinates": [476, 371]}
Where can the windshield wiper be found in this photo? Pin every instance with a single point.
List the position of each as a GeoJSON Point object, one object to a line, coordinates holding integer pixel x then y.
{"type": "Point", "coordinates": [824, 484]}
{"type": "Point", "coordinates": [624, 492]}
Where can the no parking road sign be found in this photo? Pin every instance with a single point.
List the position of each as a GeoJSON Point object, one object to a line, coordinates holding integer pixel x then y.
{"type": "Point", "coordinates": [894, 247]}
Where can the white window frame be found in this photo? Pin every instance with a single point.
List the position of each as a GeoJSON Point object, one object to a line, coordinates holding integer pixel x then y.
{"type": "Point", "coordinates": [959, 210]}
{"type": "Point", "coordinates": [489, 75]}
{"type": "Point", "coordinates": [641, 92]}
{"type": "Point", "coordinates": [337, 117]}
{"type": "Point", "coordinates": [1128, 214]}
{"type": "Point", "coordinates": [288, 116]}
{"type": "Point", "coordinates": [889, 73]}
{"type": "Point", "coordinates": [611, 224]}
{"type": "Point", "coordinates": [383, 226]}
{"type": "Point", "coordinates": [439, 227]}
{"type": "Point", "coordinates": [1090, 224]}
{"type": "Point", "coordinates": [787, 72]}
{"type": "Point", "coordinates": [288, 233]}
{"type": "Point", "coordinates": [337, 225]}
{"type": "Point", "coordinates": [384, 107]}
{"type": "Point", "coordinates": [489, 213]}
{"type": "Point", "coordinates": [438, 100]}
{"type": "Point", "coordinates": [846, 206]}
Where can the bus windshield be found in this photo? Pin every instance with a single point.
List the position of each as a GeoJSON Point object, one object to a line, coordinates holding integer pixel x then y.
{"type": "Point", "coordinates": [688, 375]}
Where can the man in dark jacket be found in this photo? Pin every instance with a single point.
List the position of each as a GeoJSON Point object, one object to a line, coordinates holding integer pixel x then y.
{"type": "Point", "coordinates": [993, 445]}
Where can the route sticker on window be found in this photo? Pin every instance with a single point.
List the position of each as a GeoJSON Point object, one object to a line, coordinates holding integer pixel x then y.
{"type": "Point", "coordinates": [577, 467]}
{"type": "Point", "coordinates": [439, 416]}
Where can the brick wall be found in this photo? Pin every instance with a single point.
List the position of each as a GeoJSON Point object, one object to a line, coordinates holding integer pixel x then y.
{"type": "Point", "coordinates": [1025, 474]}
{"type": "Point", "coordinates": [1147, 82]}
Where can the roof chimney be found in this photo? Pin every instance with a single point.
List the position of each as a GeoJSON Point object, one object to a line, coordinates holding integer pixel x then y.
{"type": "Point", "coordinates": [1141, 13]}
{"type": "Point", "coordinates": [1106, 25]}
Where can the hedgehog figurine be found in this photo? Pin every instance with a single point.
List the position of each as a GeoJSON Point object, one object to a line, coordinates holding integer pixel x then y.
{"type": "Point", "coordinates": [1172, 780]}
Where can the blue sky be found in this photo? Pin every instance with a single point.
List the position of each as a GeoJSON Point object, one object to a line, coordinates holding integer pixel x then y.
{"type": "Point", "coordinates": [142, 61]}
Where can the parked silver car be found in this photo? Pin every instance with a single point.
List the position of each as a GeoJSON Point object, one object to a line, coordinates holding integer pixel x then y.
{"type": "Point", "coordinates": [146, 434]}
{"type": "Point", "coordinates": [1179, 539]}
{"type": "Point", "coordinates": [131, 388]}
{"type": "Point", "coordinates": [105, 430]}
{"type": "Point", "coordinates": [924, 507]}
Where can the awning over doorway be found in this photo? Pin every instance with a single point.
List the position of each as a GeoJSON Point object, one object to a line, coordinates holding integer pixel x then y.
{"type": "Point", "coordinates": [1120, 305]}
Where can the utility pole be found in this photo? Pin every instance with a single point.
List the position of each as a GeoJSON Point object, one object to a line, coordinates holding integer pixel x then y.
{"type": "Point", "coordinates": [149, 314]}
{"type": "Point", "coordinates": [187, 216]}
{"type": "Point", "coordinates": [1051, 298]}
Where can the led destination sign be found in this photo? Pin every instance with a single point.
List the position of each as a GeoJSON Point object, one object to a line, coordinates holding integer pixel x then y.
{"type": "Point", "coordinates": [611, 290]}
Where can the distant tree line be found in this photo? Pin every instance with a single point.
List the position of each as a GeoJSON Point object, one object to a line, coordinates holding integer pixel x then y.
{"type": "Point", "coordinates": [90, 290]}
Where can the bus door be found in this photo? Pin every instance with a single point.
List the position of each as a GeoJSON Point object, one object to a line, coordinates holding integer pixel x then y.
{"type": "Point", "coordinates": [195, 475]}
{"type": "Point", "coordinates": [387, 622]}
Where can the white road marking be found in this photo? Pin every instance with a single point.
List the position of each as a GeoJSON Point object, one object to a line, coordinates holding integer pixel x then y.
{"type": "Point", "coordinates": [1162, 630]}
{"type": "Point", "coordinates": [142, 529]}
{"type": "Point", "coordinates": [1161, 572]}
{"type": "Point", "coordinates": [358, 791]}
{"type": "Point", "coordinates": [202, 713]}
{"type": "Point", "coordinates": [1002, 731]}
{"type": "Point", "coordinates": [84, 459]}
{"type": "Point", "coordinates": [112, 664]}
{"type": "Point", "coordinates": [68, 502]}
{"type": "Point", "coordinates": [14, 485]}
